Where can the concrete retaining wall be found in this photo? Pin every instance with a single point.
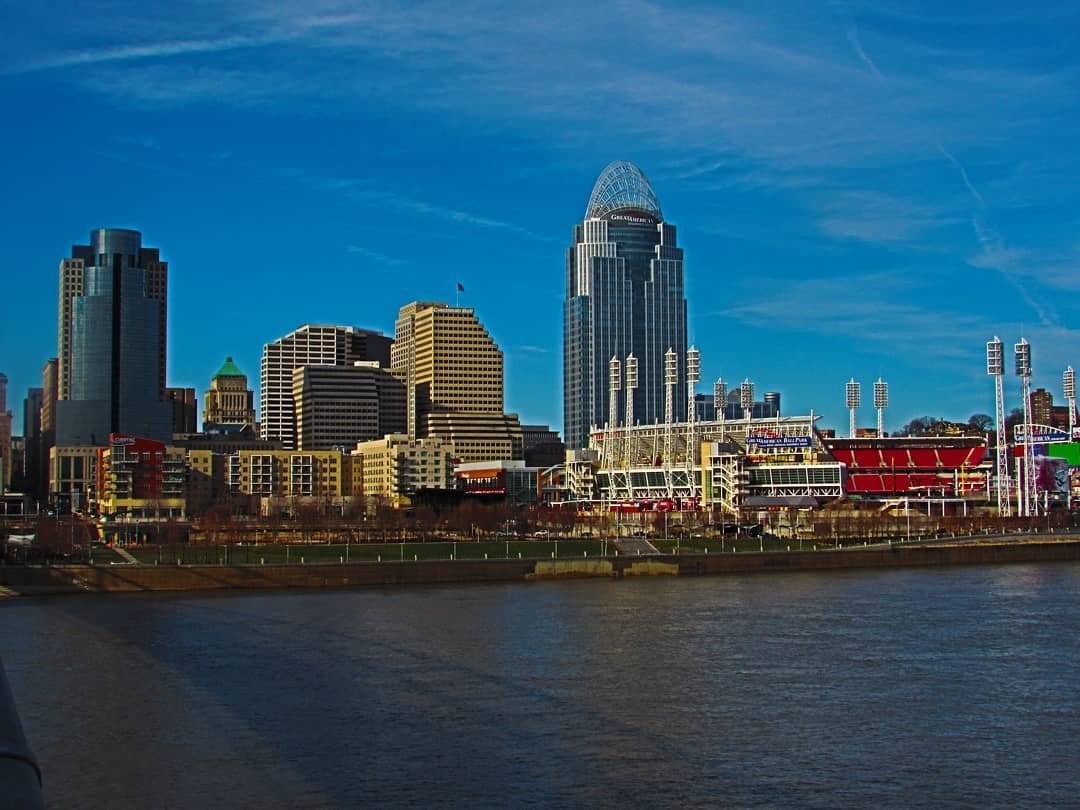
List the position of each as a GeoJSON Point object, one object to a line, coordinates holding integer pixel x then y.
{"type": "Point", "coordinates": [29, 580]}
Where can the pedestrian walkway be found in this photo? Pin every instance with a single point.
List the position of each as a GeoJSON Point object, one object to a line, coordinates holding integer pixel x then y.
{"type": "Point", "coordinates": [635, 546]}
{"type": "Point", "coordinates": [123, 552]}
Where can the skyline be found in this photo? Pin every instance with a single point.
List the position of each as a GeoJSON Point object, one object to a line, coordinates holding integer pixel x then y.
{"type": "Point", "coordinates": [869, 190]}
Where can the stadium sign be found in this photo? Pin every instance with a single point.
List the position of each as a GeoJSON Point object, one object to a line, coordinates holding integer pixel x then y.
{"type": "Point", "coordinates": [778, 442]}
{"type": "Point", "coordinates": [1041, 434]}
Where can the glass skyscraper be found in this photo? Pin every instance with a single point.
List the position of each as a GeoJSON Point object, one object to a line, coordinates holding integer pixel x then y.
{"type": "Point", "coordinates": [624, 295]}
{"type": "Point", "coordinates": [112, 341]}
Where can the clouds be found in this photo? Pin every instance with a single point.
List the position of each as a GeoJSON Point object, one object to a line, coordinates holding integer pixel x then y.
{"type": "Point", "coordinates": [900, 147]}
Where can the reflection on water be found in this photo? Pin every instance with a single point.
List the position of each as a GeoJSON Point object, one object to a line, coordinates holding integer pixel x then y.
{"type": "Point", "coordinates": [945, 686]}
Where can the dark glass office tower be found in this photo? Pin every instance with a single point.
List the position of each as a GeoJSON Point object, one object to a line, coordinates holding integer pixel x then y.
{"type": "Point", "coordinates": [112, 341]}
{"type": "Point", "coordinates": [624, 294]}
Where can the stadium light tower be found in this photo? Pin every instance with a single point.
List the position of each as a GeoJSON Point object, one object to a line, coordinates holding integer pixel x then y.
{"type": "Point", "coordinates": [995, 367]}
{"type": "Point", "coordinates": [1069, 380]}
{"type": "Point", "coordinates": [631, 387]}
{"type": "Point", "coordinates": [881, 402]}
{"type": "Point", "coordinates": [671, 379]}
{"type": "Point", "coordinates": [854, 399]}
{"type": "Point", "coordinates": [719, 398]}
{"type": "Point", "coordinates": [746, 398]}
{"type": "Point", "coordinates": [693, 376]}
{"type": "Point", "coordinates": [615, 385]}
{"type": "Point", "coordinates": [1026, 496]}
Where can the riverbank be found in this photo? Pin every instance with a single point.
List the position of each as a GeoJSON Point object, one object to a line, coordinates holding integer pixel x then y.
{"type": "Point", "coordinates": [57, 579]}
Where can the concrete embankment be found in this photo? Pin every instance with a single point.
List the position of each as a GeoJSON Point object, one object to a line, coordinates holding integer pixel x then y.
{"type": "Point", "coordinates": [28, 580]}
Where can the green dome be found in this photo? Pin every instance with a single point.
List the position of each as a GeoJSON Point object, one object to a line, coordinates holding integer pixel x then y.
{"type": "Point", "coordinates": [229, 369]}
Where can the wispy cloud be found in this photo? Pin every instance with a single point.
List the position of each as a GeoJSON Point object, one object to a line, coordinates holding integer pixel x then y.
{"type": "Point", "coordinates": [133, 52]}
{"type": "Point", "coordinates": [378, 258]}
{"type": "Point", "coordinates": [362, 191]}
{"type": "Point", "coordinates": [881, 310]}
{"type": "Point", "coordinates": [875, 217]}
{"type": "Point", "coordinates": [530, 349]}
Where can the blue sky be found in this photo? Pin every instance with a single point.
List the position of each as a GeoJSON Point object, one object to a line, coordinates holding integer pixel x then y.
{"type": "Point", "coordinates": [862, 189]}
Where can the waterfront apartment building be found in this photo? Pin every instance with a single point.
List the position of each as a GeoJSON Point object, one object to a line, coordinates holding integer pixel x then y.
{"type": "Point", "coordinates": [140, 479]}
{"type": "Point", "coordinates": [310, 345]}
{"type": "Point", "coordinates": [338, 406]}
{"type": "Point", "coordinates": [624, 296]}
{"type": "Point", "coordinates": [396, 468]}
{"type": "Point", "coordinates": [112, 340]}
{"type": "Point", "coordinates": [320, 475]}
{"type": "Point", "coordinates": [228, 400]}
{"type": "Point", "coordinates": [453, 375]}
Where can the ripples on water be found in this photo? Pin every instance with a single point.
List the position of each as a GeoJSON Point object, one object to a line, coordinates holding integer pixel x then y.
{"type": "Point", "coordinates": [940, 687]}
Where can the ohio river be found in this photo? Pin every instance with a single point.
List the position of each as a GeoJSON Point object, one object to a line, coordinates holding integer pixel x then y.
{"type": "Point", "coordinates": [943, 687]}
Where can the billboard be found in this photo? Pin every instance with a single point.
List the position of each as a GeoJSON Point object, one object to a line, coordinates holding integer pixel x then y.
{"type": "Point", "coordinates": [1051, 475]}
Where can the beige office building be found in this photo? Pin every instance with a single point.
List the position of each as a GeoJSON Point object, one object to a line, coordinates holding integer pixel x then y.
{"type": "Point", "coordinates": [229, 401]}
{"type": "Point", "coordinates": [453, 374]}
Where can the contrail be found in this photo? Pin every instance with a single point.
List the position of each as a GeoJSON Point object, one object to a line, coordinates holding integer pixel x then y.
{"type": "Point", "coordinates": [856, 43]}
{"type": "Point", "coordinates": [963, 174]}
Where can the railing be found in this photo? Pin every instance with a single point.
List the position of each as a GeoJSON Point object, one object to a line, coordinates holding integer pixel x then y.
{"type": "Point", "coordinates": [20, 777]}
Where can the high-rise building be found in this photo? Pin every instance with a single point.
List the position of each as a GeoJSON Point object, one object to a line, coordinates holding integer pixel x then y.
{"type": "Point", "coordinates": [1042, 407]}
{"type": "Point", "coordinates": [542, 446]}
{"type": "Point", "coordinates": [49, 384]}
{"type": "Point", "coordinates": [624, 295]}
{"type": "Point", "coordinates": [7, 464]}
{"type": "Point", "coordinates": [339, 406]}
{"type": "Point", "coordinates": [228, 400]}
{"type": "Point", "coordinates": [310, 345]}
{"type": "Point", "coordinates": [32, 437]}
{"type": "Point", "coordinates": [185, 409]}
{"type": "Point", "coordinates": [112, 340]}
{"type": "Point", "coordinates": [453, 375]}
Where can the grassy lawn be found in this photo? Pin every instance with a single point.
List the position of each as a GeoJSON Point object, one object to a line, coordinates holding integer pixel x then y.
{"type": "Point", "coordinates": [272, 554]}
{"type": "Point", "coordinates": [312, 553]}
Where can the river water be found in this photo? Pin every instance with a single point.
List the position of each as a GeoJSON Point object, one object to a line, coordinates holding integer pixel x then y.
{"type": "Point", "coordinates": [943, 687]}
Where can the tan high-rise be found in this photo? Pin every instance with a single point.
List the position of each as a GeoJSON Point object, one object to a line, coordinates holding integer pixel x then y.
{"type": "Point", "coordinates": [453, 373]}
{"type": "Point", "coordinates": [229, 401]}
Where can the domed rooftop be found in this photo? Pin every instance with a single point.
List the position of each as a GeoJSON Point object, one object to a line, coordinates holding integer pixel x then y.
{"type": "Point", "coordinates": [622, 185]}
{"type": "Point", "coordinates": [228, 369]}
